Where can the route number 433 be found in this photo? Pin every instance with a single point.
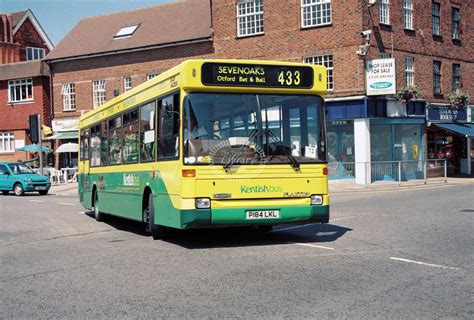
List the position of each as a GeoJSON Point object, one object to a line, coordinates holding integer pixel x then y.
{"type": "Point", "coordinates": [289, 78]}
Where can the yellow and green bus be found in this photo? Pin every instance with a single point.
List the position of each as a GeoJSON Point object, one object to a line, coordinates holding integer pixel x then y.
{"type": "Point", "coordinates": [210, 143]}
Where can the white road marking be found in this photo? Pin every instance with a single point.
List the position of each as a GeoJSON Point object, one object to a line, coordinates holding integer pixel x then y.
{"type": "Point", "coordinates": [312, 245]}
{"type": "Point", "coordinates": [294, 227]}
{"type": "Point", "coordinates": [339, 219]}
{"type": "Point", "coordinates": [424, 263]}
{"type": "Point", "coordinates": [67, 204]}
{"type": "Point", "coordinates": [36, 200]}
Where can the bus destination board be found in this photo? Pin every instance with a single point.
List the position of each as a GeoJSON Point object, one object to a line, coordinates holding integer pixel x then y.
{"type": "Point", "coordinates": [256, 75]}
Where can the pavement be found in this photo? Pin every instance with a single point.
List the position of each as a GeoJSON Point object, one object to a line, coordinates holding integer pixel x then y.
{"type": "Point", "coordinates": [339, 186]}
{"type": "Point", "coordinates": [335, 186]}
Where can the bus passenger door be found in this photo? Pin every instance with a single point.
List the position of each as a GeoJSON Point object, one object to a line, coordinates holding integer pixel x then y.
{"type": "Point", "coordinates": [84, 187]}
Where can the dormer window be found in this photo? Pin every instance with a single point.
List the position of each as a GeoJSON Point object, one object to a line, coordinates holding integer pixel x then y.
{"type": "Point", "coordinates": [126, 32]}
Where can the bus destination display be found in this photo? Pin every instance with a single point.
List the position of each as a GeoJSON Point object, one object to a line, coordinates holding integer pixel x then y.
{"type": "Point", "coordinates": [249, 75]}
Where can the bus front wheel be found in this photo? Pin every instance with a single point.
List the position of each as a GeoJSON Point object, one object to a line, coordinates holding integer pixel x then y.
{"type": "Point", "coordinates": [99, 216]}
{"type": "Point", "coordinates": [156, 231]}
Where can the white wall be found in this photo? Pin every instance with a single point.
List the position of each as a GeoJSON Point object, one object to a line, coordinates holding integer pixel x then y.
{"type": "Point", "coordinates": [362, 150]}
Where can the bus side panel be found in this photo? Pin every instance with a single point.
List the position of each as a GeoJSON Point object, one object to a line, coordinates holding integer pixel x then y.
{"type": "Point", "coordinates": [85, 191]}
{"type": "Point", "coordinates": [120, 194]}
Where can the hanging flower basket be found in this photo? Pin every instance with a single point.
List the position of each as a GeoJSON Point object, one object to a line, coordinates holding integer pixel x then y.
{"type": "Point", "coordinates": [458, 99]}
{"type": "Point", "coordinates": [408, 93]}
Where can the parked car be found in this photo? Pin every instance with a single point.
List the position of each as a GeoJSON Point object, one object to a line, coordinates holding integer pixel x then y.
{"type": "Point", "coordinates": [20, 178]}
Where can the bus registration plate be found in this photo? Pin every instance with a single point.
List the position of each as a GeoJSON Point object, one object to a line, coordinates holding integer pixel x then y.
{"type": "Point", "coordinates": [262, 214]}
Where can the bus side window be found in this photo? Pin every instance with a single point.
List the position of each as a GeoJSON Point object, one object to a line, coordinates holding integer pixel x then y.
{"type": "Point", "coordinates": [103, 143]}
{"type": "Point", "coordinates": [95, 146]}
{"type": "Point", "coordinates": [115, 141]}
{"type": "Point", "coordinates": [147, 132]}
{"type": "Point", "coordinates": [84, 145]}
{"type": "Point", "coordinates": [130, 137]}
{"type": "Point", "coordinates": [168, 128]}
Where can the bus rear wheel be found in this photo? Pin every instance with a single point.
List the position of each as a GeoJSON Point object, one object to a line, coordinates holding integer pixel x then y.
{"type": "Point", "coordinates": [157, 232]}
{"type": "Point", "coordinates": [99, 216]}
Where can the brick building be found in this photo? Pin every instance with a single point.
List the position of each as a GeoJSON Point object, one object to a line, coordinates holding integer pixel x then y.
{"type": "Point", "coordinates": [125, 50]}
{"type": "Point", "coordinates": [422, 43]}
{"type": "Point", "coordinates": [24, 81]}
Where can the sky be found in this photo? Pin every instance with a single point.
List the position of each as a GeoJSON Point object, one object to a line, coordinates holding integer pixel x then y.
{"type": "Point", "coordinates": [58, 17]}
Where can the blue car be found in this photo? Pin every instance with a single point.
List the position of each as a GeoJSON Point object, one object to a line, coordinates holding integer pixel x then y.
{"type": "Point", "coordinates": [19, 178]}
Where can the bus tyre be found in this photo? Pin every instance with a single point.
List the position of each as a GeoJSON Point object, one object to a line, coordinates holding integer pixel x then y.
{"type": "Point", "coordinates": [99, 216]}
{"type": "Point", "coordinates": [265, 228]}
{"type": "Point", "coordinates": [18, 189]}
{"type": "Point", "coordinates": [157, 232]}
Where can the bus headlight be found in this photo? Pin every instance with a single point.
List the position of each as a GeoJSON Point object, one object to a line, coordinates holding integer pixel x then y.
{"type": "Point", "coordinates": [203, 203]}
{"type": "Point", "coordinates": [316, 199]}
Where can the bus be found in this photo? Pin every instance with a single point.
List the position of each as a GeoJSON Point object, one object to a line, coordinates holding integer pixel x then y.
{"type": "Point", "coordinates": [210, 143]}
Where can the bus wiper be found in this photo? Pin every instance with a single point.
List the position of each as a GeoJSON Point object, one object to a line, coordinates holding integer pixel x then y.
{"type": "Point", "coordinates": [294, 163]}
{"type": "Point", "coordinates": [236, 155]}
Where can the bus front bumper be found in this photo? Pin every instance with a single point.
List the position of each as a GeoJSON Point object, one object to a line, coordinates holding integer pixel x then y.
{"type": "Point", "coordinates": [238, 216]}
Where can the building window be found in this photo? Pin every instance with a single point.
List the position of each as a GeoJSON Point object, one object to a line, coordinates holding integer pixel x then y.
{"type": "Point", "coordinates": [127, 83]}
{"type": "Point", "coordinates": [324, 60]}
{"type": "Point", "coordinates": [68, 91]}
{"type": "Point", "coordinates": [316, 12]}
{"type": "Point", "coordinates": [20, 90]}
{"type": "Point", "coordinates": [408, 14]}
{"type": "Point", "coordinates": [7, 142]}
{"type": "Point", "coordinates": [384, 11]}
{"type": "Point", "coordinates": [456, 23]}
{"type": "Point", "coordinates": [151, 76]}
{"type": "Point", "coordinates": [249, 17]}
{"type": "Point", "coordinates": [34, 53]}
{"type": "Point", "coordinates": [456, 85]}
{"type": "Point", "coordinates": [409, 72]}
{"type": "Point", "coordinates": [437, 77]}
{"type": "Point", "coordinates": [98, 93]}
{"type": "Point", "coordinates": [435, 18]}
{"type": "Point", "coordinates": [384, 55]}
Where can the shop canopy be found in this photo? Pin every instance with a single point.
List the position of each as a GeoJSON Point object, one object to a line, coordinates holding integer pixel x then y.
{"type": "Point", "coordinates": [465, 129]}
{"type": "Point", "coordinates": [65, 135]}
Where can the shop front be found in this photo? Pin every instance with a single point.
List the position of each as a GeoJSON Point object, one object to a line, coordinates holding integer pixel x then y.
{"type": "Point", "coordinates": [449, 137]}
{"type": "Point", "coordinates": [65, 131]}
{"type": "Point", "coordinates": [378, 131]}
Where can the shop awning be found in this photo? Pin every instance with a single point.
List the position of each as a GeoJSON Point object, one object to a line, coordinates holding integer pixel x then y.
{"type": "Point", "coordinates": [64, 135]}
{"type": "Point", "coordinates": [465, 129]}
